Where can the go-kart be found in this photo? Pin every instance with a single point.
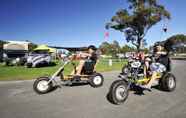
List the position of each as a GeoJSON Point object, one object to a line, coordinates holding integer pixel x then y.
{"type": "Point", "coordinates": [133, 77]}
{"type": "Point", "coordinates": [44, 85]}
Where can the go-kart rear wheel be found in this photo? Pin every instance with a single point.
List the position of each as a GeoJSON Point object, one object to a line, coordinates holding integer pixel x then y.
{"type": "Point", "coordinates": [118, 92]}
{"type": "Point", "coordinates": [41, 85]}
{"type": "Point", "coordinates": [168, 82]}
{"type": "Point", "coordinates": [96, 80]}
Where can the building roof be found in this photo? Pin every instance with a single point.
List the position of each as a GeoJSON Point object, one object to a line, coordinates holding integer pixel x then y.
{"type": "Point", "coordinates": [16, 45]}
{"type": "Point", "coordinates": [19, 42]}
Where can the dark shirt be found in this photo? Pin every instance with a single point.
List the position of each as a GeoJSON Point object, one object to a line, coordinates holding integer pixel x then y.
{"type": "Point", "coordinates": [93, 57]}
{"type": "Point", "coordinates": [165, 60]}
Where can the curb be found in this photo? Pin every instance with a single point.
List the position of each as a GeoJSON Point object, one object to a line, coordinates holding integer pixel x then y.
{"type": "Point", "coordinates": [32, 80]}
{"type": "Point", "coordinates": [178, 58]}
{"type": "Point", "coordinates": [14, 82]}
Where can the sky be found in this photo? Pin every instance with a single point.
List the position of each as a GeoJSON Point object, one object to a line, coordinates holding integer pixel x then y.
{"type": "Point", "coordinates": [76, 22]}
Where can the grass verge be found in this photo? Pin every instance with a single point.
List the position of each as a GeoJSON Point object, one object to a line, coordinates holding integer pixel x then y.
{"type": "Point", "coordinates": [23, 73]}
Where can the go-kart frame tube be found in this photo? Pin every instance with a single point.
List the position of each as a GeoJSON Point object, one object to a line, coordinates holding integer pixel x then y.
{"type": "Point", "coordinates": [58, 71]}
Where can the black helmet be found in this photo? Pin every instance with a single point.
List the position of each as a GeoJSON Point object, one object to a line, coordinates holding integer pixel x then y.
{"type": "Point", "coordinates": [92, 47]}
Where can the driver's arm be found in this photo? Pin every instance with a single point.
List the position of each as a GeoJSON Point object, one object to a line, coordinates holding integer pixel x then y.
{"type": "Point", "coordinates": [79, 56]}
{"type": "Point", "coordinates": [84, 55]}
{"type": "Point", "coordinates": [162, 53]}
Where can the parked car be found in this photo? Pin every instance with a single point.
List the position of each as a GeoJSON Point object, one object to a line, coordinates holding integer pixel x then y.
{"type": "Point", "coordinates": [38, 58]}
{"type": "Point", "coordinates": [14, 57]}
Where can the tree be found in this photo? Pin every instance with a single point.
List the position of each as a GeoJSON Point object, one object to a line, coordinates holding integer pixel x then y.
{"type": "Point", "coordinates": [32, 46]}
{"type": "Point", "coordinates": [136, 20]}
{"type": "Point", "coordinates": [105, 47]}
{"type": "Point", "coordinates": [115, 46]}
{"type": "Point", "coordinates": [110, 48]}
{"type": "Point", "coordinates": [2, 42]}
{"type": "Point", "coordinates": [1, 50]}
{"type": "Point", "coordinates": [174, 43]}
{"type": "Point", "coordinates": [178, 38]}
{"type": "Point", "coordinates": [178, 41]}
{"type": "Point", "coordinates": [126, 48]}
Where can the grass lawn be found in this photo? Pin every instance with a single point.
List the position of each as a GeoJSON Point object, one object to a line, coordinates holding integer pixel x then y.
{"type": "Point", "coordinates": [23, 73]}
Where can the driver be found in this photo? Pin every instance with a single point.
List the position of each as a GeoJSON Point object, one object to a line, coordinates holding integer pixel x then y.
{"type": "Point", "coordinates": [83, 56]}
{"type": "Point", "coordinates": [158, 66]}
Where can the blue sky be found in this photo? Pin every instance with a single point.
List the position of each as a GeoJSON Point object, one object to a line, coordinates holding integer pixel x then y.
{"type": "Point", "coordinates": [75, 22]}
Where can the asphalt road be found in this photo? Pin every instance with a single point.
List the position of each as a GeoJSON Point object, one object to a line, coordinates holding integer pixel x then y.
{"type": "Point", "coordinates": [18, 100]}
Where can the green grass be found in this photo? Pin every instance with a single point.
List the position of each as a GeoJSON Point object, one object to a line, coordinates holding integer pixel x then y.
{"type": "Point", "coordinates": [103, 66]}
{"type": "Point", "coordinates": [23, 73]}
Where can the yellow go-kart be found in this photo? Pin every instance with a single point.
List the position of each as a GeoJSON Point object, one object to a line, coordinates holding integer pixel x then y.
{"type": "Point", "coordinates": [132, 77]}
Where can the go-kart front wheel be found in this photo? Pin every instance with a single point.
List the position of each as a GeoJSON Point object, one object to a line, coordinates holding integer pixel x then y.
{"type": "Point", "coordinates": [118, 92]}
{"type": "Point", "coordinates": [168, 82]}
{"type": "Point", "coordinates": [41, 85]}
{"type": "Point", "coordinates": [96, 80]}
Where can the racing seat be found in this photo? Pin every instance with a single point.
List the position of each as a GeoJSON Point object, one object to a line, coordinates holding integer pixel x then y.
{"type": "Point", "coordinates": [88, 67]}
{"type": "Point", "coordinates": [165, 60]}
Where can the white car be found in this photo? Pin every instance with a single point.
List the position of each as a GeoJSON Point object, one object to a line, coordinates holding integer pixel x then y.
{"type": "Point", "coordinates": [36, 59]}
